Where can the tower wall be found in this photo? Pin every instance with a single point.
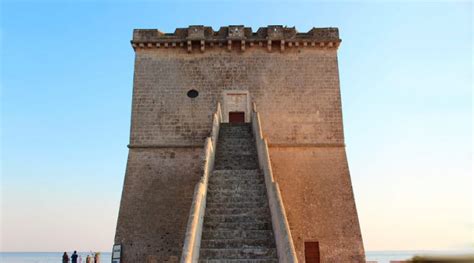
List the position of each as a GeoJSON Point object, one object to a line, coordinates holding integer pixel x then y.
{"type": "Point", "coordinates": [317, 193]}
{"type": "Point", "coordinates": [296, 90]}
{"type": "Point", "coordinates": [156, 198]}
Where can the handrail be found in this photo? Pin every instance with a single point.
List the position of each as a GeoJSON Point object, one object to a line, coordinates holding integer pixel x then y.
{"type": "Point", "coordinates": [192, 239]}
{"type": "Point", "coordinates": [281, 229]}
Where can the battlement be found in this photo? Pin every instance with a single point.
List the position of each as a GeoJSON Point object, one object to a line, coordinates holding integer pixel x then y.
{"type": "Point", "coordinates": [237, 37]}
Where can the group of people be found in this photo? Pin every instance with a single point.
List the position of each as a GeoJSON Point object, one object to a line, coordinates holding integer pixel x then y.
{"type": "Point", "coordinates": [75, 258]}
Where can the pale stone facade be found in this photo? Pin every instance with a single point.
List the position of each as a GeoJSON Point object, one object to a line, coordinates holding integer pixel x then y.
{"type": "Point", "coordinates": [294, 81]}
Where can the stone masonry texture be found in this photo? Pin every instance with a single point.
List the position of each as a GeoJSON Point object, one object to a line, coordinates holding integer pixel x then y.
{"type": "Point", "coordinates": [293, 78]}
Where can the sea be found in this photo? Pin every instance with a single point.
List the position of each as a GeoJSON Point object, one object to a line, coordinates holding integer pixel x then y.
{"type": "Point", "coordinates": [105, 257]}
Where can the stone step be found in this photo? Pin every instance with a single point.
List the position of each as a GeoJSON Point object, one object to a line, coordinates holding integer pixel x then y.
{"type": "Point", "coordinates": [238, 180]}
{"type": "Point", "coordinates": [226, 145]}
{"type": "Point", "coordinates": [240, 253]}
{"type": "Point", "coordinates": [228, 185]}
{"type": "Point", "coordinates": [229, 149]}
{"type": "Point", "coordinates": [236, 193]}
{"type": "Point", "coordinates": [236, 165]}
{"type": "Point", "coordinates": [248, 137]}
{"type": "Point", "coordinates": [237, 243]}
{"type": "Point", "coordinates": [243, 157]}
{"type": "Point", "coordinates": [236, 187]}
{"type": "Point", "coordinates": [236, 132]}
{"type": "Point", "coordinates": [236, 199]}
{"type": "Point", "coordinates": [236, 162]}
{"type": "Point", "coordinates": [228, 142]}
{"type": "Point", "coordinates": [257, 215]}
{"type": "Point", "coordinates": [231, 234]}
{"type": "Point", "coordinates": [237, 173]}
{"type": "Point", "coordinates": [215, 219]}
{"type": "Point", "coordinates": [244, 189]}
{"type": "Point", "coordinates": [236, 150]}
{"type": "Point", "coordinates": [226, 260]}
{"type": "Point", "coordinates": [233, 151]}
{"type": "Point", "coordinates": [231, 141]}
{"type": "Point", "coordinates": [238, 211]}
{"type": "Point", "coordinates": [213, 204]}
{"type": "Point", "coordinates": [236, 155]}
{"type": "Point", "coordinates": [209, 225]}
{"type": "Point", "coordinates": [232, 147]}
{"type": "Point", "coordinates": [233, 172]}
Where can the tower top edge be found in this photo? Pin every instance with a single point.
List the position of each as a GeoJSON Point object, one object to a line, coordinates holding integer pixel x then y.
{"type": "Point", "coordinates": [237, 32]}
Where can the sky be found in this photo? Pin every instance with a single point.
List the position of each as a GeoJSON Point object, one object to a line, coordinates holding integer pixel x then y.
{"type": "Point", "coordinates": [66, 85]}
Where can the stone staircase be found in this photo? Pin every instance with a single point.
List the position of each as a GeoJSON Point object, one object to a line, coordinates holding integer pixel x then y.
{"type": "Point", "coordinates": [237, 222]}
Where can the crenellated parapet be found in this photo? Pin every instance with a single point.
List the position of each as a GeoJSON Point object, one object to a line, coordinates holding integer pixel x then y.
{"type": "Point", "coordinates": [236, 37]}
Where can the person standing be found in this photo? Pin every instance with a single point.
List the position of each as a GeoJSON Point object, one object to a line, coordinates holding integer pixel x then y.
{"type": "Point", "coordinates": [65, 258]}
{"type": "Point", "coordinates": [74, 257]}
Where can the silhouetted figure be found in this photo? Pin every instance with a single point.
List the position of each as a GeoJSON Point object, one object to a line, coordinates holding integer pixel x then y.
{"type": "Point", "coordinates": [65, 258]}
{"type": "Point", "coordinates": [74, 257]}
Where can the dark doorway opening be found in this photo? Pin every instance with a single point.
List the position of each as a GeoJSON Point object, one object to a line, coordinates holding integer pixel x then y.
{"type": "Point", "coordinates": [236, 117]}
{"type": "Point", "coordinates": [311, 252]}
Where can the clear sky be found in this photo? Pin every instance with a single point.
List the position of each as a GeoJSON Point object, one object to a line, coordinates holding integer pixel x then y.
{"type": "Point", "coordinates": [66, 86]}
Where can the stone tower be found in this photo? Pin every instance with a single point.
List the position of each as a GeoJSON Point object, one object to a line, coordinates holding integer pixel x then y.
{"type": "Point", "coordinates": [292, 78]}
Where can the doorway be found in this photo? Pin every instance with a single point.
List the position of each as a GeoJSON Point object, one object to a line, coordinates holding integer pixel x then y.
{"type": "Point", "coordinates": [311, 252]}
{"type": "Point", "coordinates": [235, 105]}
{"type": "Point", "coordinates": [236, 117]}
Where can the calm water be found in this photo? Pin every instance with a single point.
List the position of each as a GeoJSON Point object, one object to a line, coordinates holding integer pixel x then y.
{"type": "Point", "coordinates": [46, 257]}
{"type": "Point", "coordinates": [55, 257]}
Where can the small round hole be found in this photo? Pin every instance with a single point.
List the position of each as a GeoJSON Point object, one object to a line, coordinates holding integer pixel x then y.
{"type": "Point", "coordinates": [193, 93]}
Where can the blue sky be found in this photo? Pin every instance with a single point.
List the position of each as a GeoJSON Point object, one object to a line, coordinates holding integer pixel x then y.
{"type": "Point", "coordinates": [66, 86]}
